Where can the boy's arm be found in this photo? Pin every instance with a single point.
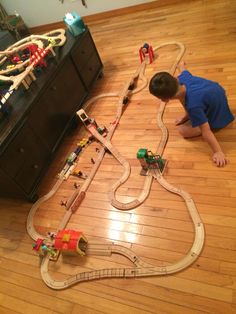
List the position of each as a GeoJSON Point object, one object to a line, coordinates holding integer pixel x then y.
{"type": "Point", "coordinates": [218, 156]}
{"type": "Point", "coordinates": [183, 119]}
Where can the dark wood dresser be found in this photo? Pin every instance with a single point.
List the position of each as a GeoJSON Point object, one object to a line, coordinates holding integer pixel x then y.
{"type": "Point", "coordinates": [40, 116]}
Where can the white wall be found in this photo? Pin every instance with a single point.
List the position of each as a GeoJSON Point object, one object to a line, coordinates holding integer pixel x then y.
{"type": "Point", "coordinates": [40, 12]}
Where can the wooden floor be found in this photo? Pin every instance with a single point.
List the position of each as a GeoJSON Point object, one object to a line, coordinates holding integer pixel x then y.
{"type": "Point", "coordinates": [160, 230]}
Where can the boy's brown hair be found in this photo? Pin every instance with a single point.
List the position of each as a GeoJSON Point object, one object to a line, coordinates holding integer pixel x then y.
{"type": "Point", "coordinates": [163, 85]}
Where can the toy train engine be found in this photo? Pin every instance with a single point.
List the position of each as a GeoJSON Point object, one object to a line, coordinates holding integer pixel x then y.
{"type": "Point", "coordinates": [102, 130]}
{"type": "Point", "coordinates": [70, 242]}
{"type": "Point", "coordinates": [84, 142]}
{"type": "Point", "coordinates": [148, 160]}
{"type": "Point", "coordinates": [71, 159]}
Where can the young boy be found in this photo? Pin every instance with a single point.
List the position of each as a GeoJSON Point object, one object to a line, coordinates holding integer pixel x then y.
{"type": "Point", "coordinates": [205, 103]}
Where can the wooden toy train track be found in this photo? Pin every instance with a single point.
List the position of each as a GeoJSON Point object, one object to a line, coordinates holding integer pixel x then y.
{"type": "Point", "coordinates": [141, 268]}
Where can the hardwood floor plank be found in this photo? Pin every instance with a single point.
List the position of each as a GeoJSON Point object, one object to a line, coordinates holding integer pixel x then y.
{"type": "Point", "coordinates": [22, 306]}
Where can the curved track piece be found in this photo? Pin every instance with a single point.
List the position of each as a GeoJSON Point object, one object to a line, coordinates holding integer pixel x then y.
{"type": "Point", "coordinates": [125, 176]}
{"type": "Point", "coordinates": [29, 225]}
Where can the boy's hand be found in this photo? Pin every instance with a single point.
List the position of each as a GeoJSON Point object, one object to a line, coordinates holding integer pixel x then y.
{"type": "Point", "coordinates": [219, 159]}
{"type": "Point", "coordinates": [182, 120]}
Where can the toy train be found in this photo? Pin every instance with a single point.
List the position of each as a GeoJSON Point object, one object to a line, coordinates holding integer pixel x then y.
{"type": "Point", "coordinates": [70, 160]}
{"type": "Point", "coordinates": [73, 156]}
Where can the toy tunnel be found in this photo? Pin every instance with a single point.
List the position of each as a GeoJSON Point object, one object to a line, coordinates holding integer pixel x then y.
{"type": "Point", "coordinates": [71, 242]}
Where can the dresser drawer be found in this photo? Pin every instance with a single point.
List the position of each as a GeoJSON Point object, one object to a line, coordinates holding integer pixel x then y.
{"type": "Point", "coordinates": [14, 156]}
{"type": "Point", "coordinates": [24, 158]}
{"type": "Point", "coordinates": [42, 115]}
{"type": "Point", "coordinates": [33, 166]}
{"type": "Point", "coordinates": [91, 70]}
{"type": "Point", "coordinates": [57, 106]}
{"type": "Point", "coordinates": [82, 52]}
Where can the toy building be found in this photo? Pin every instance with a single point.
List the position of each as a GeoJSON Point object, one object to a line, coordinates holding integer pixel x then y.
{"type": "Point", "coordinates": [70, 242]}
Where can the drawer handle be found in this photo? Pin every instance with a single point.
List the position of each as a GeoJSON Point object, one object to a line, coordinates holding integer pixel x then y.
{"type": "Point", "coordinates": [21, 150]}
{"type": "Point", "coordinates": [35, 166]}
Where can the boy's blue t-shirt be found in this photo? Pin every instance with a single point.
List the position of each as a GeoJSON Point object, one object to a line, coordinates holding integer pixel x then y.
{"type": "Point", "coordinates": [205, 101]}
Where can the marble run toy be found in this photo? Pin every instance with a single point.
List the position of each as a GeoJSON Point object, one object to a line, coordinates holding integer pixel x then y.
{"type": "Point", "coordinates": [26, 55]}
{"type": "Point", "coordinates": [37, 55]}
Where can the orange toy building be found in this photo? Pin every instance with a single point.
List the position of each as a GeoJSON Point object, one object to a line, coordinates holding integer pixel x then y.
{"type": "Point", "coordinates": [70, 242]}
